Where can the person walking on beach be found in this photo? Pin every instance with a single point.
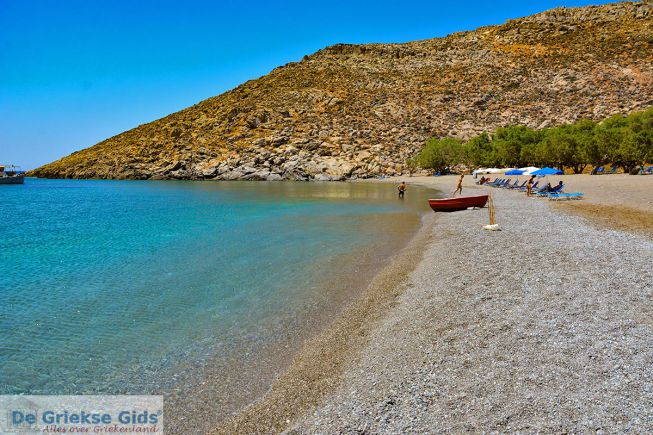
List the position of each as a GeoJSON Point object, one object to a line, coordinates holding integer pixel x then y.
{"type": "Point", "coordinates": [459, 187]}
{"type": "Point", "coordinates": [529, 186]}
{"type": "Point", "coordinates": [402, 189]}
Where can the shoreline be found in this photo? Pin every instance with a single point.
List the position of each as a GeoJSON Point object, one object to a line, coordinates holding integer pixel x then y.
{"type": "Point", "coordinates": [344, 393]}
{"type": "Point", "coordinates": [205, 396]}
{"type": "Point", "coordinates": [315, 371]}
{"type": "Point", "coordinates": [544, 326]}
{"type": "Point", "coordinates": [243, 380]}
{"type": "Point", "coordinates": [209, 380]}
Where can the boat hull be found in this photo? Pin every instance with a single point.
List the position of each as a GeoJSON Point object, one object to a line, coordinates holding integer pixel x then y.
{"type": "Point", "coordinates": [15, 179]}
{"type": "Point", "coordinates": [457, 204]}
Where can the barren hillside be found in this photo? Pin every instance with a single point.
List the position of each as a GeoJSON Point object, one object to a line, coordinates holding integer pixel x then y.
{"type": "Point", "coordinates": [362, 110]}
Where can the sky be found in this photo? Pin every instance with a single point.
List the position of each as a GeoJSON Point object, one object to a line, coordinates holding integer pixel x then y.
{"type": "Point", "coordinates": [73, 73]}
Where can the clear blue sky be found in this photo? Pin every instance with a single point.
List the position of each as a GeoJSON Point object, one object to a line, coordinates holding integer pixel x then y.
{"type": "Point", "coordinates": [73, 73]}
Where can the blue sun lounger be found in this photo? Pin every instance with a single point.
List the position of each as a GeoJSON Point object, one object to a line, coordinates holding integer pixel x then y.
{"type": "Point", "coordinates": [523, 187]}
{"type": "Point", "coordinates": [556, 190]}
{"type": "Point", "coordinates": [561, 196]}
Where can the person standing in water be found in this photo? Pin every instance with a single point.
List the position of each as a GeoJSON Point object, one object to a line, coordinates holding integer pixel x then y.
{"type": "Point", "coordinates": [402, 189]}
{"type": "Point", "coordinates": [459, 187]}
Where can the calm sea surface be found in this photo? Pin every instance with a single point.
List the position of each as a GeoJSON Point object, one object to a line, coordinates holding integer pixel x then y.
{"type": "Point", "coordinates": [134, 286]}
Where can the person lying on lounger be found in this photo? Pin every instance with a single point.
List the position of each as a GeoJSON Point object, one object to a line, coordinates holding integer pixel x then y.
{"type": "Point", "coordinates": [545, 188]}
{"type": "Point", "coordinates": [557, 188]}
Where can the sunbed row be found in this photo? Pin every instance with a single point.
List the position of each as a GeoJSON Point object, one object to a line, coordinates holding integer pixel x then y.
{"type": "Point", "coordinates": [555, 193]}
{"type": "Point", "coordinates": [601, 171]}
{"type": "Point", "coordinates": [506, 183]}
{"type": "Point", "coordinates": [643, 171]}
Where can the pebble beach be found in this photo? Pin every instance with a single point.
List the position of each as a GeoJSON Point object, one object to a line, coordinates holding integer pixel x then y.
{"type": "Point", "coordinates": [543, 326]}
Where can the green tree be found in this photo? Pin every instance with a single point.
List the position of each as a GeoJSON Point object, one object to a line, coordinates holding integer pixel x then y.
{"type": "Point", "coordinates": [478, 151]}
{"type": "Point", "coordinates": [585, 132]}
{"type": "Point", "coordinates": [537, 153]}
{"type": "Point", "coordinates": [641, 127]}
{"type": "Point", "coordinates": [438, 154]}
{"type": "Point", "coordinates": [566, 145]}
{"type": "Point", "coordinates": [625, 141]}
{"type": "Point", "coordinates": [594, 150]}
{"type": "Point", "coordinates": [614, 136]}
{"type": "Point", "coordinates": [508, 142]}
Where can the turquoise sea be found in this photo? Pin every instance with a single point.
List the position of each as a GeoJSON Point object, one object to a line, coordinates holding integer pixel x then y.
{"type": "Point", "coordinates": [151, 286]}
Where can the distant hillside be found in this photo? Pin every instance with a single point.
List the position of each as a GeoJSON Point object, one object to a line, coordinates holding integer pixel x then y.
{"type": "Point", "coordinates": [363, 110]}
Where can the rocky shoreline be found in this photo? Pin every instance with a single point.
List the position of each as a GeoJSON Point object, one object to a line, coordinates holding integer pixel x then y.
{"type": "Point", "coordinates": [287, 163]}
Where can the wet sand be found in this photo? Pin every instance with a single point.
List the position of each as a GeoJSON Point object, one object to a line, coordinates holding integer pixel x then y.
{"type": "Point", "coordinates": [543, 326]}
{"type": "Point", "coordinates": [205, 395]}
{"type": "Point", "coordinates": [316, 370]}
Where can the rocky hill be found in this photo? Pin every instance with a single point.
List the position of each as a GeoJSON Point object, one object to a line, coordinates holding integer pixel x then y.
{"type": "Point", "coordinates": [361, 110]}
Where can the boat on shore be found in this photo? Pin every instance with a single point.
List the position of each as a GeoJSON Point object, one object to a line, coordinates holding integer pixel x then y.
{"type": "Point", "coordinates": [459, 203]}
{"type": "Point", "coordinates": [11, 174]}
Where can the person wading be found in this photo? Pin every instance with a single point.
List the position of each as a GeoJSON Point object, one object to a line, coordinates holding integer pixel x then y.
{"type": "Point", "coordinates": [402, 189]}
{"type": "Point", "coordinates": [459, 187]}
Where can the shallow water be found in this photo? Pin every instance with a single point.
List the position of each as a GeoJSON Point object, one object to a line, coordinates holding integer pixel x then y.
{"type": "Point", "coordinates": [134, 286]}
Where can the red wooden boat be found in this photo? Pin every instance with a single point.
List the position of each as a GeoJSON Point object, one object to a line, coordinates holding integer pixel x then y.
{"type": "Point", "coordinates": [459, 203]}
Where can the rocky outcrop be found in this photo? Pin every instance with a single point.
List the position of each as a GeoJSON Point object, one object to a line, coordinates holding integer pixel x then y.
{"type": "Point", "coordinates": [352, 111]}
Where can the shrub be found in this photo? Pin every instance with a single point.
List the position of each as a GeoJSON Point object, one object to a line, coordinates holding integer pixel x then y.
{"type": "Point", "coordinates": [626, 141]}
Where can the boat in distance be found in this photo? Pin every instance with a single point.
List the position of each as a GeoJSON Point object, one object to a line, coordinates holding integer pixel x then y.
{"type": "Point", "coordinates": [11, 174]}
{"type": "Point", "coordinates": [459, 203]}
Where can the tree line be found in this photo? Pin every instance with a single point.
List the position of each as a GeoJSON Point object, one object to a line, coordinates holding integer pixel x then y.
{"type": "Point", "coordinates": [623, 141]}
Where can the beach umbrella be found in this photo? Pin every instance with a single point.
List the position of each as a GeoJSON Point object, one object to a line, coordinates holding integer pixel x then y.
{"type": "Point", "coordinates": [515, 172]}
{"type": "Point", "coordinates": [547, 171]}
{"type": "Point", "coordinates": [528, 170]}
